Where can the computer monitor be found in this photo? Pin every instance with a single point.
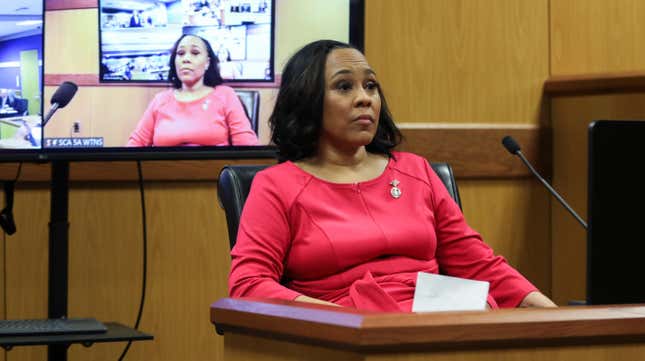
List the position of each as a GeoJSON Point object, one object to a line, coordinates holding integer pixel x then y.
{"type": "Point", "coordinates": [615, 242]}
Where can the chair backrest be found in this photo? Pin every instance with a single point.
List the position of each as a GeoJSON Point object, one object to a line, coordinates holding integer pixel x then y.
{"type": "Point", "coordinates": [235, 182]}
{"type": "Point", "coordinates": [251, 101]}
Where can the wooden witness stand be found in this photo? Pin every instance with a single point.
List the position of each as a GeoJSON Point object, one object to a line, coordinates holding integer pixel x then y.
{"type": "Point", "coordinates": [286, 330]}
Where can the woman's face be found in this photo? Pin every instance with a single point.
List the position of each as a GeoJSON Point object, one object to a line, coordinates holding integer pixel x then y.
{"type": "Point", "coordinates": [352, 103]}
{"type": "Point", "coordinates": [191, 60]}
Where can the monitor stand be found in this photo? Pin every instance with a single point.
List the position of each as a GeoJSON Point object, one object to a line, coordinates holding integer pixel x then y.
{"type": "Point", "coordinates": [58, 276]}
{"type": "Point", "coordinates": [58, 281]}
{"type": "Point", "coordinates": [58, 250]}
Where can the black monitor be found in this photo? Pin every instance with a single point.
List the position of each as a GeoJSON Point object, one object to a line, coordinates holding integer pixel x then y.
{"type": "Point", "coordinates": [90, 134]}
{"type": "Point", "coordinates": [615, 242]}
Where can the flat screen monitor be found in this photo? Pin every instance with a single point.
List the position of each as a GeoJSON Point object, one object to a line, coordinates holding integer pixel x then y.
{"type": "Point", "coordinates": [136, 37]}
{"type": "Point", "coordinates": [615, 242]}
{"type": "Point", "coordinates": [21, 74]}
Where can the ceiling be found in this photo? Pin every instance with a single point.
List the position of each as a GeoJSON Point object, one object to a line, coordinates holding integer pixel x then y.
{"type": "Point", "coordinates": [14, 11]}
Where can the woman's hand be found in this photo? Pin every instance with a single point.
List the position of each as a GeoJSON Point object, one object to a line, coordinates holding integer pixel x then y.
{"type": "Point", "coordinates": [537, 299]}
{"type": "Point", "coordinates": [314, 300]}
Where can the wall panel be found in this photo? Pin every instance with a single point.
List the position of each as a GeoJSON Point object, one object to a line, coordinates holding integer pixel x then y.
{"type": "Point", "coordinates": [460, 60]}
{"type": "Point", "coordinates": [473, 61]}
{"type": "Point", "coordinates": [597, 36]}
{"type": "Point", "coordinates": [513, 218]}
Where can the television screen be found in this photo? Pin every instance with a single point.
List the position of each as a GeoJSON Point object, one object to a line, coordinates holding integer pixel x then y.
{"type": "Point", "coordinates": [136, 37]}
{"type": "Point", "coordinates": [21, 49]}
{"type": "Point", "coordinates": [128, 78]}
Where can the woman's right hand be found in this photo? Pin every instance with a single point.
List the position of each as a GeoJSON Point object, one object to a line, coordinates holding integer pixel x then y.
{"type": "Point", "coordinates": [303, 298]}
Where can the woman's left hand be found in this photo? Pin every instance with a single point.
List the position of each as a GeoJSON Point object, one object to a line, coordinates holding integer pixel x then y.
{"type": "Point", "coordinates": [537, 299]}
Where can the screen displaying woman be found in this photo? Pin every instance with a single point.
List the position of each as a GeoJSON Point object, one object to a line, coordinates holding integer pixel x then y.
{"type": "Point", "coordinates": [198, 110]}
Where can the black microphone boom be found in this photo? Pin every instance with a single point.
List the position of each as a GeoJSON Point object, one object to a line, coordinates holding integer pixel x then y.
{"type": "Point", "coordinates": [511, 145]}
{"type": "Point", "coordinates": [60, 99]}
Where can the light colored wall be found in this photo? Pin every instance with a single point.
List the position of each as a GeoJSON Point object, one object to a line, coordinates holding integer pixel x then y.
{"type": "Point", "coordinates": [303, 21]}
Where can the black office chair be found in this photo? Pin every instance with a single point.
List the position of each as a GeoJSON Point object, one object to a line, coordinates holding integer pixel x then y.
{"type": "Point", "coordinates": [235, 182]}
{"type": "Point", "coordinates": [251, 103]}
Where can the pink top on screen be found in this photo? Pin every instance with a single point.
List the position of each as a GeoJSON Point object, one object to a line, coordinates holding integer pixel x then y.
{"type": "Point", "coordinates": [213, 120]}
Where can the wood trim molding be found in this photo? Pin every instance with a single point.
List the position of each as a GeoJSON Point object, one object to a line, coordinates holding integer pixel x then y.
{"type": "Point", "coordinates": [183, 170]}
{"type": "Point", "coordinates": [93, 80]}
{"type": "Point", "coordinates": [372, 331]}
{"type": "Point", "coordinates": [473, 150]}
{"type": "Point", "coordinates": [70, 4]}
{"type": "Point", "coordinates": [601, 83]}
{"type": "Point", "coordinates": [79, 79]}
{"type": "Point", "coordinates": [476, 151]}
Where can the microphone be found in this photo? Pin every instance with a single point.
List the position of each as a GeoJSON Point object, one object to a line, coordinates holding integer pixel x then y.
{"type": "Point", "coordinates": [61, 97]}
{"type": "Point", "coordinates": [511, 145]}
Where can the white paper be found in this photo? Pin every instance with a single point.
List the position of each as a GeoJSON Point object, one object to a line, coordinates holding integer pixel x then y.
{"type": "Point", "coordinates": [443, 293]}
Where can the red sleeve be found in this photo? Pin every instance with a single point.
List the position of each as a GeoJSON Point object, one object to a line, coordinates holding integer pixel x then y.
{"type": "Point", "coordinates": [239, 125]}
{"type": "Point", "coordinates": [144, 132]}
{"type": "Point", "coordinates": [263, 239]}
{"type": "Point", "coordinates": [462, 253]}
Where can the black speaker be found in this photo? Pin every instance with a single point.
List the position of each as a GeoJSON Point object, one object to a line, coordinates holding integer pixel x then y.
{"type": "Point", "coordinates": [6, 215]}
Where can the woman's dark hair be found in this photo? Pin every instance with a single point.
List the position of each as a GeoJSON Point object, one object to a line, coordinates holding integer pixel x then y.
{"type": "Point", "coordinates": [212, 76]}
{"type": "Point", "coordinates": [296, 121]}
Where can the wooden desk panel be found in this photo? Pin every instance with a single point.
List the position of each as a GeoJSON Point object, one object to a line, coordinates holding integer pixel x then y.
{"type": "Point", "coordinates": [285, 330]}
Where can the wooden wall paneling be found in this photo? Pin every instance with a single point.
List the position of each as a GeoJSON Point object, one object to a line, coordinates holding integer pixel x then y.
{"type": "Point", "coordinates": [108, 112]}
{"type": "Point", "coordinates": [475, 62]}
{"type": "Point", "coordinates": [598, 83]}
{"type": "Point", "coordinates": [105, 260]}
{"type": "Point", "coordinates": [596, 36]}
{"type": "Point", "coordinates": [188, 265]}
{"type": "Point", "coordinates": [27, 263]}
{"type": "Point", "coordinates": [71, 39]}
{"type": "Point", "coordinates": [571, 117]}
{"type": "Point", "coordinates": [476, 151]}
{"type": "Point", "coordinates": [460, 61]}
{"type": "Point", "coordinates": [513, 217]}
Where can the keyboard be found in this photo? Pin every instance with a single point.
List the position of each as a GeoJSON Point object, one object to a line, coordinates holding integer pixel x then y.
{"type": "Point", "coordinates": [52, 326]}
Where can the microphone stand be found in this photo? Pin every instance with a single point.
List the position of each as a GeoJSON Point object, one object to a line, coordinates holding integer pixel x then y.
{"type": "Point", "coordinates": [548, 186]}
{"type": "Point", "coordinates": [58, 251]}
{"type": "Point", "coordinates": [49, 114]}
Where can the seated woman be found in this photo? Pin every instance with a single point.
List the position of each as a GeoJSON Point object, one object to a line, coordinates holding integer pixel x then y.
{"type": "Point", "coordinates": [199, 110]}
{"type": "Point", "coordinates": [344, 219]}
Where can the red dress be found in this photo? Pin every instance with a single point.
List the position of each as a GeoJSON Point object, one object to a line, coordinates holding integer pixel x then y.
{"type": "Point", "coordinates": [355, 244]}
{"type": "Point", "coordinates": [213, 120]}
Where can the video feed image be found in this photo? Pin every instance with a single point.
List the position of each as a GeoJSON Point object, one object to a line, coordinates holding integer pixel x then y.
{"type": "Point", "coordinates": [136, 37]}
{"type": "Point", "coordinates": [21, 56]}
